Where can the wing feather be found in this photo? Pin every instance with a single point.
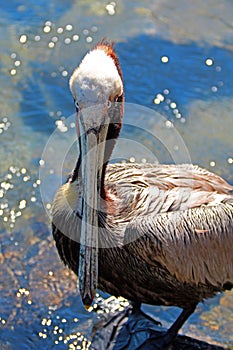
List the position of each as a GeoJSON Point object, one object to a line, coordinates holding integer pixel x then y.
{"type": "Point", "coordinates": [194, 245]}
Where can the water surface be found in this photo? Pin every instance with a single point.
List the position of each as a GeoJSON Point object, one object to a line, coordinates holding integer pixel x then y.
{"type": "Point", "coordinates": [177, 60]}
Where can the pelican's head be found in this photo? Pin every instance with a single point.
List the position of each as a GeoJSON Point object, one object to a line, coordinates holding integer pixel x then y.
{"type": "Point", "coordinates": [96, 84]}
{"type": "Point", "coordinates": [96, 79]}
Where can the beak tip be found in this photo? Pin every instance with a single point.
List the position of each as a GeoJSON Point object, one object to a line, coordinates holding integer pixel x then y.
{"type": "Point", "coordinates": [88, 308]}
{"type": "Point", "coordinates": [87, 301]}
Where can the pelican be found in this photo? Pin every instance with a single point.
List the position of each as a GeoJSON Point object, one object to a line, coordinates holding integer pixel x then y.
{"type": "Point", "coordinates": [155, 234]}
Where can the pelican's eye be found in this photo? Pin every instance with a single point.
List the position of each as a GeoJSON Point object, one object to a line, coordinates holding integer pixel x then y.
{"type": "Point", "coordinates": [76, 106]}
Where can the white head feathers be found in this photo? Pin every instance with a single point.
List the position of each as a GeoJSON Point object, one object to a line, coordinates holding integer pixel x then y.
{"type": "Point", "coordinates": [96, 80]}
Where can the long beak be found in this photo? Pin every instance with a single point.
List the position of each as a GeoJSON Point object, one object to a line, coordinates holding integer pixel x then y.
{"type": "Point", "coordinates": [92, 155]}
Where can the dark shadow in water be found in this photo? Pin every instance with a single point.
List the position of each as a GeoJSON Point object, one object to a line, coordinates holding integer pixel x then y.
{"type": "Point", "coordinates": [127, 330]}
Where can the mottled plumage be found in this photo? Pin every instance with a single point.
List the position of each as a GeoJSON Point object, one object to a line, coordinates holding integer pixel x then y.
{"type": "Point", "coordinates": [170, 228]}
{"type": "Point", "coordinates": [165, 232]}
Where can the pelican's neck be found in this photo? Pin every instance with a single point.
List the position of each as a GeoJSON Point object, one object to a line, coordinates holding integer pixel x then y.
{"type": "Point", "coordinates": [113, 133]}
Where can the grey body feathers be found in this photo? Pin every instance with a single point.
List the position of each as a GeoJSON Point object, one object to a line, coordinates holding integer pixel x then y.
{"type": "Point", "coordinates": [167, 237]}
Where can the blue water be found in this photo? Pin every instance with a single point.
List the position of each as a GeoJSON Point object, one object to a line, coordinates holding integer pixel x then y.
{"type": "Point", "coordinates": [39, 301]}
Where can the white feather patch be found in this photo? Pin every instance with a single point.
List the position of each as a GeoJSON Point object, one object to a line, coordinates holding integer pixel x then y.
{"type": "Point", "coordinates": [96, 80]}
